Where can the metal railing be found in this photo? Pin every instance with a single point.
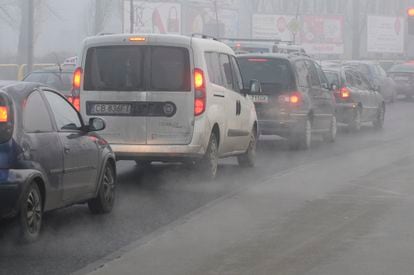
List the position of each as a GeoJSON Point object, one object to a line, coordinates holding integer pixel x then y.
{"type": "Point", "coordinates": [17, 71]}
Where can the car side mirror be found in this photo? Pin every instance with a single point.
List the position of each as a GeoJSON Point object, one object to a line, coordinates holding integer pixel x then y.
{"type": "Point", "coordinates": [255, 87]}
{"type": "Point", "coordinates": [325, 86]}
{"type": "Point", "coordinates": [96, 124]}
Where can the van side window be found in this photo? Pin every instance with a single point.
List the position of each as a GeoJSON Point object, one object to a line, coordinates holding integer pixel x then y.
{"type": "Point", "coordinates": [213, 67]}
{"type": "Point", "coordinates": [36, 118]}
{"type": "Point", "coordinates": [237, 79]}
{"type": "Point", "coordinates": [226, 71]}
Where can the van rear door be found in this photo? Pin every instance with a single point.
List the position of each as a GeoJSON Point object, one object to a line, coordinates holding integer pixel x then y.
{"type": "Point", "coordinates": [170, 92]}
{"type": "Point", "coordinates": [114, 88]}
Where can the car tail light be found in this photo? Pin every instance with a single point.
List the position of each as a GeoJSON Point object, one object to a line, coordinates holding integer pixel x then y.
{"type": "Point", "coordinates": [137, 39]}
{"type": "Point", "coordinates": [4, 114]}
{"type": "Point", "coordinates": [76, 102]}
{"type": "Point", "coordinates": [294, 98]}
{"type": "Point", "coordinates": [344, 93]}
{"type": "Point", "coordinates": [200, 96]}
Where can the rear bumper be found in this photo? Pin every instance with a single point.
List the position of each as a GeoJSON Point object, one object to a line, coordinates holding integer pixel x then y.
{"type": "Point", "coordinates": [157, 152]}
{"type": "Point", "coordinates": [345, 112]}
{"type": "Point", "coordinates": [12, 184]}
{"type": "Point", "coordinates": [283, 126]}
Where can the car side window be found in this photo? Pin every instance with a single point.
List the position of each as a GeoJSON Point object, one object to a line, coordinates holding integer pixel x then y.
{"type": "Point", "coordinates": [302, 74]}
{"type": "Point", "coordinates": [314, 77]}
{"type": "Point", "coordinates": [65, 115]}
{"type": "Point", "coordinates": [365, 82]}
{"type": "Point", "coordinates": [213, 68]}
{"type": "Point", "coordinates": [237, 78]}
{"type": "Point", "coordinates": [36, 118]}
{"type": "Point", "coordinates": [322, 75]}
{"type": "Point", "coordinates": [350, 81]}
{"type": "Point", "coordinates": [226, 71]}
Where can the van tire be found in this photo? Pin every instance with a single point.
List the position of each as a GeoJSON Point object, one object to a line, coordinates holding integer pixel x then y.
{"type": "Point", "coordinates": [248, 159]}
{"type": "Point", "coordinates": [209, 163]}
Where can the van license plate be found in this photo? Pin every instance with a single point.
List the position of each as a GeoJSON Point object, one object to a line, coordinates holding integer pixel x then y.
{"type": "Point", "coordinates": [259, 98]}
{"type": "Point", "coordinates": [110, 109]}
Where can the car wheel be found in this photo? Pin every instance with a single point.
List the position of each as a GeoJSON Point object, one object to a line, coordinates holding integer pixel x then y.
{"type": "Point", "coordinates": [105, 199]}
{"type": "Point", "coordinates": [303, 139]}
{"type": "Point", "coordinates": [209, 163]}
{"type": "Point", "coordinates": [333, 128]}
{"type": "Point", "coordinates": [355, 125]}
{"type": "Point", "coordinates": [379, 121]}
{"type": "Point", "coordinates": [31, 214]}
{"type": "Point", "coordinates": [248, 159]}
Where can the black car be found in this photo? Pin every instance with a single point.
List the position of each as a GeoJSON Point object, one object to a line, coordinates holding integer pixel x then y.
{"type": "Point", "coordinates": [56, 77]}
{"type": "Point", "coordinates": [49, 158]}
{"type": "Point", "coordinates": [295, 101]}
{"type": "Point", "coordinates": [377, 78]}
{"type": "Point", "coordinates": [403, 76]}
{"type": "Point", "coordinates": [356, 101]}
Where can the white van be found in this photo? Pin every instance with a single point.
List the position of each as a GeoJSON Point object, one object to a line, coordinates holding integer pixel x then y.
{"type": "Point", "coordinates": [167, 98]}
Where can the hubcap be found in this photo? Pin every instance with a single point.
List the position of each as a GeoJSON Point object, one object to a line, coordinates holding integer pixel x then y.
{"type": "Point", "coordinates": [34, 212]}
{"type": "Point", "coordinates": [108, 185]}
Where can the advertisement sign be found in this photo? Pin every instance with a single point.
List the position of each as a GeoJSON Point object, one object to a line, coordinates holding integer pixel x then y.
{"type": "Point", "coordinates": [385, 34]}
{"type": "Point", "coordinates": [203, 20]}
{"type": "Point", "coordinates": [153, 17]}
{"type": "Point", "coordinates": [269, 26]}
{"type": "Point", "coordinates": [322, 34]}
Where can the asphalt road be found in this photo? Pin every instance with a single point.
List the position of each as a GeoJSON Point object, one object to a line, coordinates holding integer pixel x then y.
{"type": "Point", "coordinates": [341, 182]}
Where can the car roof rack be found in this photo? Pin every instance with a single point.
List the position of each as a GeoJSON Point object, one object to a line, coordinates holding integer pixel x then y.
{"type": "Point", "coordinates": [204, 36]}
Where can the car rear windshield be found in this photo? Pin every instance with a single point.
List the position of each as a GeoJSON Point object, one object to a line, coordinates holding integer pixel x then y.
{"type": "Point", "coordinates": [59, 81]}
{"type": "Point", "coordinates": [275, 75]}
{"type": "Point", "coordinates": [137, 68]}
{"type": "Point", "coordinates": [332, 78]}
{"type": "Point", "coordinates": [6, 119]}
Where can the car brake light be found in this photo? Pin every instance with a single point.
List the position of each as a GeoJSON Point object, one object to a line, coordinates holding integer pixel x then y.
{"type": "Point", "coordinates": [77, 79]}
{"type": "Point", "coordinates": [344, 93]}
{"type": "Point", "coordinates": [200, 97]}
{"type": "Point", "coordinates": [4, 114]}
{"type": "Point", "coordinates": [137, 39]}
{"type": "Point", "coordinates": [294, 98]}
{"type": "Point", "coordinates": [76, 103]}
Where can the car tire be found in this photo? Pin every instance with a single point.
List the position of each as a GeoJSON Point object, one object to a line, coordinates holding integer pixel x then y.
{"type": "Point", "coordinates": [31, 214]}
{"type": "Point", "coordinates": [333, 129]}
{"type": "Point", "coordinates": [356, 123]}
{"type": "Point", "coordinates": [248, 159]}
{"type": "Point", "coordinates": [379, 121]}
{"type": "Point", "coordinates": [302, 140]}
{"type": "Point", "coordinates": [104, 202]}
{"type": "Point", "coordinates": [208, 165]}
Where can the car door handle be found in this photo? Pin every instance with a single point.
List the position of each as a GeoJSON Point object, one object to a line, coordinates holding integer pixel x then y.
{"type": "Point", "coordinates": [238, 108]}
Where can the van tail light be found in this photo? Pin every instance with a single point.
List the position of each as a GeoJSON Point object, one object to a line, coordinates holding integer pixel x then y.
{"type": "Point", "coordinates": [200, 96]}
{"type": "Point", "coordinates": [4, 114]}
{"type": "Point", "coordinates": [76, 85]}
{"type": "Point", "coordinates": [344, 93]}
{"type": "Point", "coordinates": [293, 99]}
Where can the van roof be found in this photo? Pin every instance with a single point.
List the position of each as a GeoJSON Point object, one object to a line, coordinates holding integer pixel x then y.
{"type": "Point", "coordinates": [159, 39]}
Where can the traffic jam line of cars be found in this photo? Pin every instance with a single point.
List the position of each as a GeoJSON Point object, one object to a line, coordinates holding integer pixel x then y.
{"type": "Point", "coordinates": [162, 98]}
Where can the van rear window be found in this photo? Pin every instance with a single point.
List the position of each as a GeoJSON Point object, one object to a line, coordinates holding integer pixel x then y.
{"type": "Point", "coordinates": [137, 68]}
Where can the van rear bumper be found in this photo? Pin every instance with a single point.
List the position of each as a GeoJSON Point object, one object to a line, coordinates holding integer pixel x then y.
{"type": "Point", "coordinates": [157, 152]}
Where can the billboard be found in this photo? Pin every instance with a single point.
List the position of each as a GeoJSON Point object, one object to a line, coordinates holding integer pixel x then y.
{"type": "Point", "coordinates": [385, 34]}
{"type": "Point", "coordinates": [322, 34]}
{"type": "Point", "coordinates": [199, 19]}
{"type": "Point", "coordinates": [270, 26]}
{"type": "Point", "coordinates": [153, 17]}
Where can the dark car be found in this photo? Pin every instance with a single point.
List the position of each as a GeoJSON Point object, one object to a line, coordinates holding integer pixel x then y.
{"type": "Point", "coordinates": [295, 101]}
{"type": "Point", "coordinates": [57, 77]}
{"type": "Point", "coordinates": [356, 101]}
{"type": "Point", "coordinates": [377, 78]}
{"type": "Point", "coordinates": [403, 76]}
{"type": "Point", "coordinates": [49, 158]}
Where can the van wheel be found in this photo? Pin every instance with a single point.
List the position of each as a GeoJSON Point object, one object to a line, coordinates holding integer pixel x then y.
{"type": "Point", "coordinates": [379, 121]}
{"type": "Point", "coordinates": [302, 140]}
{"type": "Point", "coordinates": [333, 128]}
{"type": "Point", "coordinates": [104, 202]}
{"type": "Point", "coordinates": [248, 159]}
{"type": "Point", "coordinates": [31, 214]}
{"type": "Point", "coordinates": [209, 163]}
{"type": "Point", "coordinates": [356, 123]}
